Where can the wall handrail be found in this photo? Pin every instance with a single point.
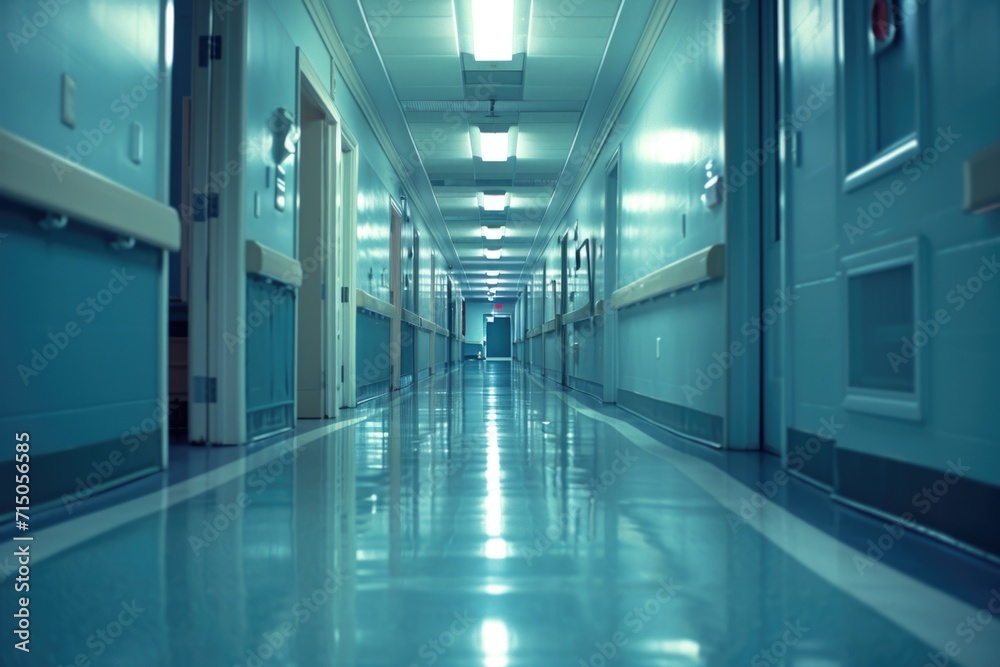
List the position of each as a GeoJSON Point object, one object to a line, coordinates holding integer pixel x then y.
{"type": "Point", "coordinates": [423, 323]}
{"type": "Point", "coordinates": [366, 301]}
{"type": "Point", "coordinates": [551, 325]}
{"type": "Point", "coordinates": [44, 180]}
{"type": "Point", "coordinates": [702, 266]}
{"type": "Point", "coordinates": [411, 318]}
{"type": "Point", "coordinates": [433, 327]}
{"type": "Point", "coordinates": [268, 262]}
{"type": "Point", "coordinates": [579, 314]}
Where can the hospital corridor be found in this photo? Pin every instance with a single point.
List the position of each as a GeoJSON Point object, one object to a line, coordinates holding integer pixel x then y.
{"type": "Point", "coordinates": [499, 333]}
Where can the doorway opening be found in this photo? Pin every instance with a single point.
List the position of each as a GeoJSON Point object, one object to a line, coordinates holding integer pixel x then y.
{"type": "Point", "coordinates": [326, 186]}
{"type": "Point", "coordinates": [497, 332]}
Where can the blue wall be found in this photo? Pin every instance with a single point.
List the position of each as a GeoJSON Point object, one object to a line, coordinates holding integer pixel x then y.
{"type": "Point", "coordinates": [276, 28]}
{"type": "Point", "coordinates": [916, 199]}
{"type": "Point", "coordinates": [876, 449]}
{"type": "Point", "coordinates": [671, 125]}
{"type": "Point", "coordinates": [81, 370]}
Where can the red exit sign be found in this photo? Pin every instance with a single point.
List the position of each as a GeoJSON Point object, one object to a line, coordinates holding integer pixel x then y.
{"type": "Point", "coordinates": [497, 306]}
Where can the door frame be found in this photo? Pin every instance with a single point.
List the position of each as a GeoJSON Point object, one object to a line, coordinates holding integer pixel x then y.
{"type": "Point", "coordinates": [563, 307]}
{"type": "Point", "coordinates": [318, 319]}
{"type": "Point", "coordinates": [347, 232]}
{"type": "Point", "coordinates": [785, 167]}
{"type": "Point", "coordinates": [217, 369]}
{"type": "Point", "coordinates": [774, 106]}
{"type": "Point", "coordinates": [395, 289]}
{"type": "Point", "coordinates": [609, 381]}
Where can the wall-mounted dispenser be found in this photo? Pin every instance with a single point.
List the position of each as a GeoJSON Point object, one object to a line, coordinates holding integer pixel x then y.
{"type": "Point", "coordinates": [286, 139]}
{"type": "Point", "coordinates": [712, 196]}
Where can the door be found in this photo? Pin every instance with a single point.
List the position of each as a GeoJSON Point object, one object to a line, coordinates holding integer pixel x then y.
{"type": "Point", "coordinates": [612, 203]}
{"type": "Point", "coordinates": [498, 342]}
{"type": "Point", "coordinates": [563, 304]}
{"type": "Point", "coordinates": [315, 352]}
{"type": "Point", "coordinates": [772, 362]}
{"type": "Point", "coordinates": [395, 291]}
{"type": "Point", "coordinates": [451, 322]}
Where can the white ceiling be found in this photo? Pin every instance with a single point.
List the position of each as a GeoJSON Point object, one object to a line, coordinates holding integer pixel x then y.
{"type": "Point", "coordinates": [421, 45]}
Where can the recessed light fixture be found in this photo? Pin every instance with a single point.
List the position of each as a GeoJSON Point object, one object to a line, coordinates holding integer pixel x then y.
{"type": "Point", "coordinates": [493, 29]}
{"type": "Point", "coordinates": [494, 202]}
{"type": "Point", "coordinates": [492, 254]}
{"type": "Point", "coordinates": [494, 233]}
{"type": "Point", "coordinates": [489, 298]}
{"type": "Point", "coordinates": [493, 146]}
{"type": "Point", "coordinates": [492, 281]}
{"type": "Point", "coordinates": [492, 274]}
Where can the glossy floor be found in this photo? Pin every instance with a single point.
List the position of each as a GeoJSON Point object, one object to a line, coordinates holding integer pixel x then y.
{"type": "Point", "coordinates": [483, 519]}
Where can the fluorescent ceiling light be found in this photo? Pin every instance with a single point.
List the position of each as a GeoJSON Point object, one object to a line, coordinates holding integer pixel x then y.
{"type": "Point", "coordinates": [494, 233]}
{"type": "Point", "coordinates": [493, 29]}
{"type": "Point", "coordinates": [492, 254]}
{"type": "Point", "coordinates": [492, 281]}
{"type": "Point", "coordinates": [494, 202]}
{"type": "Point", "coordinates": [489, 298]}
{"type": "Point", "coordinates": [492, 274]}
{"type": "Point", "coordinates": [494, 145]}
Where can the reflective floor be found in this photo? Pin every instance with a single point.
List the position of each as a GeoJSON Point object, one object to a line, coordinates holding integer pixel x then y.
{"type": "Point", "coordinates": [482, 520]}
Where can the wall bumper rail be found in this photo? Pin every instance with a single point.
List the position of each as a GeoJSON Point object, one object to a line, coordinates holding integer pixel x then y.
{"type": "Point", "coordinates": [579, 314]}
{"type": "Point", "coordinates": [44, 180]}
{"type": "Point", "coordinates": [702, 266]}
{"type": "Point", "coordinates": [366, 301]}
{"type": "Point", "coordinates": [269, 263]}
{"type": "Point", "coordinates": [982, 181]}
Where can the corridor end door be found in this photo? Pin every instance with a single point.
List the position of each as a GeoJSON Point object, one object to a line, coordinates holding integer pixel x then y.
{"type": "Point", "coordinates": [498, 342]}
